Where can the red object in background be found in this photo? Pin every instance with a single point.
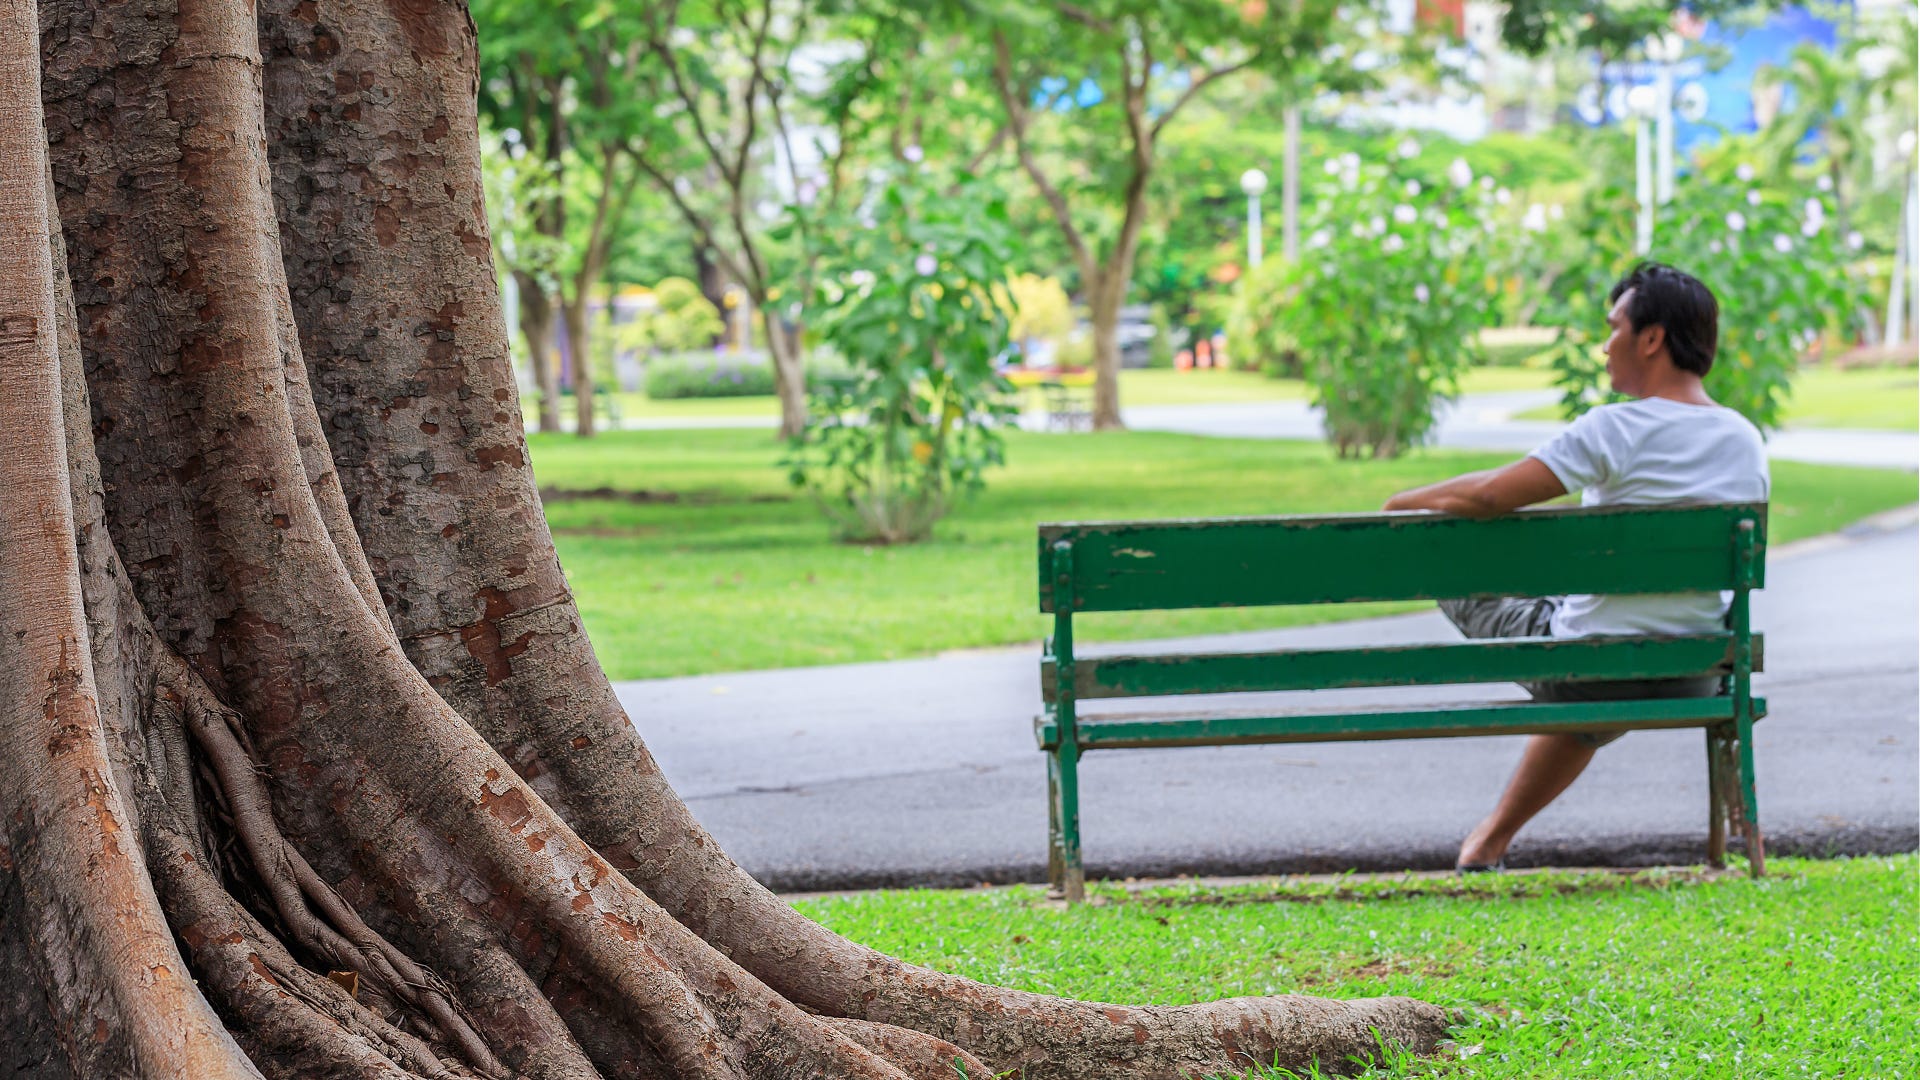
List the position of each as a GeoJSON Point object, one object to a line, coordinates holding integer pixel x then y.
{"type": "Point", "coordinates": [1449, 15]}
{"type": "Point", "coordinates": [1203, 354]}
{"type": "Point", "coordinates": [1183, 360]}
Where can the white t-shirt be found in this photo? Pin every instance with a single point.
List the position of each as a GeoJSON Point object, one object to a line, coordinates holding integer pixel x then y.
{"type": "Point", "coordinates": [1655, 452]}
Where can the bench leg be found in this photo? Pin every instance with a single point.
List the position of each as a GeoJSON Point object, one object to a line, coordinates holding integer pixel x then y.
{"type": "Point", "coordinates": [1749, 805]}
{"type": "Point", "coordinates": [1066, 877]}
{"type": "Point", "coordinates": [1719, 761]}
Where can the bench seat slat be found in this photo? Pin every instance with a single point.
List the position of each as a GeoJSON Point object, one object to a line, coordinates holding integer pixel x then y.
{"type": "Point", "coordinates": [1136, 730]}
{"type": "Point", "coordinates": [1491, 660]}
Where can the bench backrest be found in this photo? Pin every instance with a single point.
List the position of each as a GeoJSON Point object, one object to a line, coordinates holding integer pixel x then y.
{"type": "Point", "coordinates": [1257, 561]}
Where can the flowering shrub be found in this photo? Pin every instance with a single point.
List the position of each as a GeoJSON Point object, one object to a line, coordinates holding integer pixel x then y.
{"type": "Point", "coordinates": [1772, 257]}
{"type": "Point", "coordinates": [1391, 291]}
{"type": "Point", "coordinates": [914, 300]}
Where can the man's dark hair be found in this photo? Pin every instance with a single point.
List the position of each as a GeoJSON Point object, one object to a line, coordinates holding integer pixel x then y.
{"type": "Point", "coordinates": [1677, 302]}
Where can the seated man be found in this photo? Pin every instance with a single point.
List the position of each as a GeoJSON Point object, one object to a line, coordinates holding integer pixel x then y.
{"type": "Point", "coordinates": [1672, 445]}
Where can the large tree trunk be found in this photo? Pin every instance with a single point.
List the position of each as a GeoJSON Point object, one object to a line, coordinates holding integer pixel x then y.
{"type": "Point", "coordinates": [299, 719]}
{"type": "Point", "coordinates": [536, 326]}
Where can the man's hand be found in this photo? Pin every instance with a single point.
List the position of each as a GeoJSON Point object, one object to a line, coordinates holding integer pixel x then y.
{"type": "Point", "coordinates": [1485, 494]}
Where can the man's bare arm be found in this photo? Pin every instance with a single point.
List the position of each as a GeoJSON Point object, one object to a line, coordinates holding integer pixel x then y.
{"type": "Point", "coordinates": [1485, 494]}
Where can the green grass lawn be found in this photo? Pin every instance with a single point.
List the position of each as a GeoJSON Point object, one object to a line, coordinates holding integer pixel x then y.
{"type": "Point", "coordinates": [713, 564]}
{"type": "Point", "coordinates": [1813, 971]}
{"type": "Point", "coordinates": [1883, 399]}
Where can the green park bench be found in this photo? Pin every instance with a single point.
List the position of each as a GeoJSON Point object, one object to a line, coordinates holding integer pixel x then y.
{"type": "Point", "coordinates": [1090, 567]}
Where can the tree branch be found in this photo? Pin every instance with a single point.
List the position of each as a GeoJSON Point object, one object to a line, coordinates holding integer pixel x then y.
{"type": "Point", "coordinates": [1016, 120]}
{"type": "Point", "coordinates": [1193, 89]}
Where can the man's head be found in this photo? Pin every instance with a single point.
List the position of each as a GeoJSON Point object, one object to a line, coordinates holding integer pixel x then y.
{"type": "Point", "coordinates": [1661, 318]}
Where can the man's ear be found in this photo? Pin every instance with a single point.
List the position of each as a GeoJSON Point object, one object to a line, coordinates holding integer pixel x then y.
{"type": "Point", "coordinates": [1653, 338]}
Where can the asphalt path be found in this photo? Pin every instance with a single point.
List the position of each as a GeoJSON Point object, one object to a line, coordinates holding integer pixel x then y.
{"type": "Point", "coordinates": [1486, 422]}
{"type": "Point", "coordinates": [924, 772]}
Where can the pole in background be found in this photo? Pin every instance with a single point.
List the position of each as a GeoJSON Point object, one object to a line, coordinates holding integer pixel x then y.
{"type": "Point", "coordinates": [1641, 102]}
{"type": "Point", "coordinates": [1664, 50]}
{"type": "Point", "coordinates": [1253, 182]}
{"type": "Point", "coordinates": [1290, 187]}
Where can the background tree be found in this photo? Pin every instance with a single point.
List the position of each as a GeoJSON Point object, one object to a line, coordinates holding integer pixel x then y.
{"type": "Point", "coordinates": [559, 81]}
{"type": "Point", "coordinates": [309, 769]}
{"type": "Point", "coordinates": [1088, 91]}
{"type": "Point", "coordinates": [521, 189]}
{"type": "Point", "coordinates": [729, 124]}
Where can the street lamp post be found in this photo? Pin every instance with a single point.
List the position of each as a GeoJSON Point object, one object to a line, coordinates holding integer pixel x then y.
{"type": "Point", "coordinates": [1643, 103]}
{"type": "Point", "coordinates": [1253, 182]}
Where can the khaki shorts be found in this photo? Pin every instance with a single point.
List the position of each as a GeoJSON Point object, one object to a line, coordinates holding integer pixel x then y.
{"type": "Point", "coordinates": [1532, 616]}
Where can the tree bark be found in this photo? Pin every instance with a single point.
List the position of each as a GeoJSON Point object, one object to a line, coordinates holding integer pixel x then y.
{"type": "Point", "coordinates": [1106, 293]}
{"type": "Point", "coordinates": [789, 376]}
{"type": "Point", "coordinates": [536, 326]}
{"type": "Point", "coordinates": [308, 766]}
{"type": "Point", "coordinates": [573, 310]}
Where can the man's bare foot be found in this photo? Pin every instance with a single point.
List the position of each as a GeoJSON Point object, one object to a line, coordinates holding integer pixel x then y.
{"type": "Point", "coordinates": [1482, 848]}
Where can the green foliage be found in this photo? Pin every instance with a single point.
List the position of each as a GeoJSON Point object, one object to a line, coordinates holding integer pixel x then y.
{"type": "Point", "coordinates": [1037, 307]}
{"type": "Point", "coordinates": [1391, 293]}
{"type": "Point", "coordinates": [708, 376]}
{"type": "Point", "coordinates": [682, 319]}
{"type": "Point", "coordinates": [1260, 326]}
{"type": "Point", "coordinates": [1772, 257]}
{"type": "Point", "coordinates": [909, 302]}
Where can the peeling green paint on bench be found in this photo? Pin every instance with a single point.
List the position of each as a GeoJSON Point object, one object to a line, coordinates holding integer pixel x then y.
{"type": "Point", "coordinates": [1489, 660]}
{"type": "Point", "coordinates": [1090, 567]}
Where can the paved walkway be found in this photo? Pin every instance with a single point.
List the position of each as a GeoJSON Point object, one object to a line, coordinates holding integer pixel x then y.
{"type": "Point", "coordinates": [1486, 422]}
{"type": "Point", "coordinates": [924, 771]}
{"type": "Point", "coordinates": [1477, 421]}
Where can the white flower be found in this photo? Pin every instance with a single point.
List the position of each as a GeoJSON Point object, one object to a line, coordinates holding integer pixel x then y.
{"type": "Point", "coordinates": [1413, 189]}
{"type": "Point", "coordinates": [1503, 196]}
{"type": "Point", "coordinates": [913, 153]}
{"type": "Point", "coordinates": [1405, 215]}
{"type": "Point", "coordinates": [925, 265]}
{"type": "Point", "coordinates": [1810, 227]}
{"type": "Point", "coordinates": [1736, 220]}
{"type": "Point", "coordinates": [1753, 198]}
{"type": "Point", "coordinates": [1816, 210]}
{"type": "Point", "coordinates": [1823, 183]}
{"type": "Point", "coordinates": [1332, 166]}
{"type": "Point", "coordinates": [1744, 172]}
{"type": "Point", "coordinates": [1350, 161]}
{"type": "Point", "coordinates": [1556, 211]}
{"type": "Point", "coordinates": [1535, 219]}
{"type": "Point", "coordinates": [1321, 238]}
{"type": "Point", "coordinates": [1715, 247]}
{"type": "Point", "coordinates": [1377, 226]}
{"type": "Point", "coordinates": [1421, 294]}
{"type": "Point", "coordinates": [1407, 148]}
{"type": "Point", "coordinates": [1460, 174]}
{"type": "Point", "coordinates": [1392, 244]}
{"type": "Point", "coordinates": [1855, 240]}
{"type": "Point", "coordinates": [1486, 183]}
{"type": "Point", "coordinates": [860, 277]}
{"type": "Point", "coordinates": [1782, 243]}
{"type": "Point", "coordinates": [1437, 218]}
